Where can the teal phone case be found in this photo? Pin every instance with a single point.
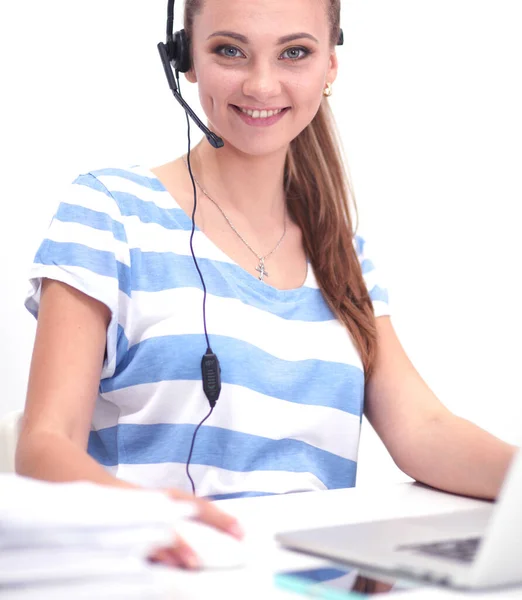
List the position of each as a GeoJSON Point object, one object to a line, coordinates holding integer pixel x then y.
{"type": "Point", "coordinates": [313, 589]}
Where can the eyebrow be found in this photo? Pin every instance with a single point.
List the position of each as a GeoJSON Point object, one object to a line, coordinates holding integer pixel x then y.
{"type": "Point", "coordinates": [282, 40]}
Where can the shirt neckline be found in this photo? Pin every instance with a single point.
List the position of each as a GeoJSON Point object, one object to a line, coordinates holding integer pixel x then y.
{"type": "Point", "coordinates": [242, 275]}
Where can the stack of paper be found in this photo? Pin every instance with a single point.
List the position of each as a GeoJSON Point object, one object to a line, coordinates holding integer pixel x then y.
{"type": "Point", "coordinates": [56, 537]}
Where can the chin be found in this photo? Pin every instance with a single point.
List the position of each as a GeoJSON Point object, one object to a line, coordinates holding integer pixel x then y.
{"type": "Point", "coordinates": [256, 148]}
{"type": "Point", "coordinates": [256, 145]}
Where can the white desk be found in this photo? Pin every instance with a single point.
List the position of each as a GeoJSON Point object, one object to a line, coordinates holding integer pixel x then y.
{"type": "Point", "coordinates": [265, 516]}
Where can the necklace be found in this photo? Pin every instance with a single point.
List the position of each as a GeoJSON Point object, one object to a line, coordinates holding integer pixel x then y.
{"type": "Point", "coordinates": [261, 266]}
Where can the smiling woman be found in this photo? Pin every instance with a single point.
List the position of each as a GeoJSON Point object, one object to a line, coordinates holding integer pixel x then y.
{"type": "Point", "coordinates": [295, 306]}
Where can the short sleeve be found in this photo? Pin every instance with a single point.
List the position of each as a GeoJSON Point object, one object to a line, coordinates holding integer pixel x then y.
{"type": "Point", "coordinates": [373, 277]}
{"type": "Point", "coordinates": [86, 247]}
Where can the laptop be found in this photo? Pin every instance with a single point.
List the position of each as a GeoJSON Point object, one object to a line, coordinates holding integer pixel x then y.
{"type": "Point", "coordinates": [474, 549]}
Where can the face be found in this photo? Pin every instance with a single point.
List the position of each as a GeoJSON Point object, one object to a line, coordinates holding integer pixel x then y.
{"type": "Point", "coordinates": [254, 68]}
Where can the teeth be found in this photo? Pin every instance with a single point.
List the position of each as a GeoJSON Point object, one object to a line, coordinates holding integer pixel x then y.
{"type": "Point", "coordinates": [263, 114]}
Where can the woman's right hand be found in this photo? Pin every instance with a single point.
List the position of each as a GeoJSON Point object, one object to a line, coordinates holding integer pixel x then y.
{"type": "Point", "coordinates": [180, 554]}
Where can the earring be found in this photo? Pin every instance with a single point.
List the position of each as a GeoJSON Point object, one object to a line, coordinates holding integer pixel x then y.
{"type": "Point", "coordinates": [328, 90]}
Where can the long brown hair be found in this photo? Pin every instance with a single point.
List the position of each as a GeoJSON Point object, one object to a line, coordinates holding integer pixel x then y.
{"type": "Point", "coordinates": [318, 193]}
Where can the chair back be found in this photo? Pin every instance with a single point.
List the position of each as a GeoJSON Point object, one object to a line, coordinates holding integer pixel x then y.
{"type": "Point", "coordinates": [9, 431]}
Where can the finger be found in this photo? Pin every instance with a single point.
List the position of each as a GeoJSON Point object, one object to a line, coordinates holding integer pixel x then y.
{"type": "Point", "coordinates": [209, 513]}
{"type": "Point", "coordinates": [178, 555]}
{"type": "Point", "coordinates": [183, 553]}
{"type": "Point", "coordinates": [164, 556]}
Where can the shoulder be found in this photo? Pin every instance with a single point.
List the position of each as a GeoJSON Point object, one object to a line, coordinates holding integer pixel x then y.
{"type": "Point", "coordinates": [361, 249]}
{"type": "Point", "coordinates": [136, 179]}
{"type": "Point", "coordinates": [120, 190]}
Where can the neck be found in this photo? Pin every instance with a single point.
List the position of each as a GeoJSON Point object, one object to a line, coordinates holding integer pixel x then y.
{"type": "Point", "coordinates": [250, 185]}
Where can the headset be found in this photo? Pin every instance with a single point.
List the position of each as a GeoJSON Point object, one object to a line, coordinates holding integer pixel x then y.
{"type": "Point", "coordinates": [175, 53]}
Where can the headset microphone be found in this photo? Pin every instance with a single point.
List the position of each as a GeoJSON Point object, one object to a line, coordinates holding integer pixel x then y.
{"type": "Point", "coordinates": [215, 141]}
{"type": "Point", "coordinates": [176, 51]}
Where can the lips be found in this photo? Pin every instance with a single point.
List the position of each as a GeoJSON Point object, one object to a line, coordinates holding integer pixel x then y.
{"type": "Point", "coordinates": [259, 121]}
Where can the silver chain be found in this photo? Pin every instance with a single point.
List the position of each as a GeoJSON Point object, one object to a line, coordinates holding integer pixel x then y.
{"type": "Point", "coordinates": [261, 266]}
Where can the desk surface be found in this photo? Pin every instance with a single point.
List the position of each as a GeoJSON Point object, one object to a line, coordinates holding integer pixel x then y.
{"type": "Point", "coordinates": [263, 517]}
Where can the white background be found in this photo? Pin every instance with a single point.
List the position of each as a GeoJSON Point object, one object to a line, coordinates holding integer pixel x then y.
{"type": "Point", "coordinates": [428, 101]}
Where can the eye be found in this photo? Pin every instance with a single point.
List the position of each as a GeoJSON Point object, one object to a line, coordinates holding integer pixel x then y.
{"type": "Point", "coordinates": [294, 53]}
{"type": "Point", "coordinates": [227, 54]}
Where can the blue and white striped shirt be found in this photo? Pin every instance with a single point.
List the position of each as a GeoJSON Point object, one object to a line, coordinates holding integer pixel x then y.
{"type": "Point", "coordinates": [289, 414]}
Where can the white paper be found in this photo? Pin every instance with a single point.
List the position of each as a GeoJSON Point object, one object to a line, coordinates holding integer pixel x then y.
{"type": "Point", "coordinates": [57, 537]}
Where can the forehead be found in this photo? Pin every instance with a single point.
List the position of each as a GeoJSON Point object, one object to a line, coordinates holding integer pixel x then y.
{"type": "Point", "coordinates": [264, 18]}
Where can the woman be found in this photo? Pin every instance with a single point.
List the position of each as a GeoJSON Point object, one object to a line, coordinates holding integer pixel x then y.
{"type": "Point", "coordinates": [294, 308]}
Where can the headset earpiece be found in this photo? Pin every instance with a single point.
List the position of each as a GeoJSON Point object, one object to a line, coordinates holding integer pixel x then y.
{"type": "Point", "coordinates": [179, 52]}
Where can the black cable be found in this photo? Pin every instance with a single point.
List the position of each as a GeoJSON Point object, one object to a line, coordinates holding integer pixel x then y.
{"type": "Point", "coordinates": [192, 448]}
{"type": "Point", "coordinates": [209, 350]}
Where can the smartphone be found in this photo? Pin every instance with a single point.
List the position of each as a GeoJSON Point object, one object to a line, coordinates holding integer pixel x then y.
{"type": "Point", "coordinates": [339, 583]}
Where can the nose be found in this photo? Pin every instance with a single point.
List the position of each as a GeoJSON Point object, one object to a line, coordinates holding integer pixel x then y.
{"type": "Point", "coordinates": [262, 82]}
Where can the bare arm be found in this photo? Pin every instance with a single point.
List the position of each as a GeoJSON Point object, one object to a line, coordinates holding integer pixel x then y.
{"type": "Point", "coordinates": [63, 387]}
{"type": "Point", "coordinates": [424, 438]}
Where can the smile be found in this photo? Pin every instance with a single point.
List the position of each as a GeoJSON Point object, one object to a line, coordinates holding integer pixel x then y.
{"type": "Point", "coordinates": [260, 117]}
{"type": "Point", "coordinates": [260, 114]}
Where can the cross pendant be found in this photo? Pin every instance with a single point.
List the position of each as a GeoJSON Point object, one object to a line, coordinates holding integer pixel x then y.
{"type": "Point", "coordinates": [261, 269]}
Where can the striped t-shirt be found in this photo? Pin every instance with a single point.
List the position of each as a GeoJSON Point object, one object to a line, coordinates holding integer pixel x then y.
{"type": "Point", "coordinates": [289, 414]}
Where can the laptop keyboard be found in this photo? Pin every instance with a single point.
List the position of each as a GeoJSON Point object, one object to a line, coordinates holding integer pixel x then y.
{"type": "Point", "coordinates": [460, 550]}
